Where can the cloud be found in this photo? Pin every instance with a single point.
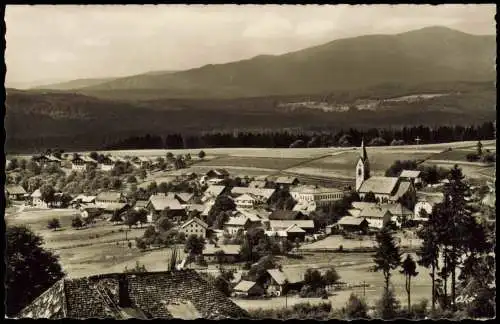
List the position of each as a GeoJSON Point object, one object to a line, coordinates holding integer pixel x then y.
{"type": "Point", "coordinates": [269, 26]}
{"type": "Point", "coordinates": [314, 28]}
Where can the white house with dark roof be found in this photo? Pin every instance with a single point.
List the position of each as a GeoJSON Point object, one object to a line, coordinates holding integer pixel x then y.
{"type": "Point", "coordinates": [167, 204]}
{"type": "Point", "coordinates": [377, 217]}
{"type": "Point", "coordinates": [82, 163]}
{"type": "Point", "coordinates": [194, 226]}
{"type": "Point", "coordinates": [264, 194]}
{"type": "Point", "coordinates": [385, 189]}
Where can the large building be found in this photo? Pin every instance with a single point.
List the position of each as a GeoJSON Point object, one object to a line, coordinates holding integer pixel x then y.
{"type": "Point", "coordinates": [305, 195]}
{"type": "Point", "coordinates": [385, 189]}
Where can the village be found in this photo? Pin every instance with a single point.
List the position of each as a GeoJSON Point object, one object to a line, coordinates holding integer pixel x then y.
{"type": "Point", "coordinates": [252, 233]}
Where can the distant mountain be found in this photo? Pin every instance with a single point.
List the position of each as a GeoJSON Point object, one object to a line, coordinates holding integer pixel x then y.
{"type": "Point", "coordinates": [433, 54]}
{"type": "Point", "coordinates": [72, 84]}
{"type": "Point", "coordinates": [44, 119]}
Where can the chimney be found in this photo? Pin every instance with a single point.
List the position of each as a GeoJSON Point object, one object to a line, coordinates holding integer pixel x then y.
{"type": "Point", "coordinates": [123, 294]}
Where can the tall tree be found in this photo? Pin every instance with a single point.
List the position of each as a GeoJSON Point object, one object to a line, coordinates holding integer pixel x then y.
{"type": "Point", "coordinates": [387, 256]}
{"type": "Point", "coordinates": [409, 267]}
{"type": "Point", "coordinates": [30, 268]}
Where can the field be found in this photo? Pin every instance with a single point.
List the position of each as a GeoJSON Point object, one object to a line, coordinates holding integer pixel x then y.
{"type": "Point", "coordinates": [98, 249]}
{"type": "Point", "coordinates": [352, 268]}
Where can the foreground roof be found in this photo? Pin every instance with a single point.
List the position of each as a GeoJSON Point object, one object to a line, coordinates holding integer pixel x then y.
{"type": "Point", "coordinates": [173, 294]}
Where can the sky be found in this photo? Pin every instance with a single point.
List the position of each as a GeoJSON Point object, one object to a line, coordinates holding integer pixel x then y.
{"type": "Point", "coordinates": [64, 42]}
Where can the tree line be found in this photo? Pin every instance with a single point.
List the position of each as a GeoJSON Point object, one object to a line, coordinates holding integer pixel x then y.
{"type": "Point", "coordinates": [318, 138]}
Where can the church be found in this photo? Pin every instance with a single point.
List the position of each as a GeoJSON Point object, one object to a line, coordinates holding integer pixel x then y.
{"type": "Point", "coordinates": [385, 189]}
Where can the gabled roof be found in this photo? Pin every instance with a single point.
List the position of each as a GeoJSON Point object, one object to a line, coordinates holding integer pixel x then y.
{"type": "Point", "coordinates": [141, 203]}
{"type": "Point", "coordinates": [286, 180]}
{"type": "Point", "coordinates": [403, 188]}
{"type": "Point", "coordinates": [379, 185]}
{"type": "Point", "coordinates": [159, 203]}
{"type": "Point", "coordinates": [184, 196]}
{"type": "Point", "coordinates": [197, 221]}
{"type": "Point", "coordinates": [294, 228]}
{"type": "Point", "coordinates": [373, 212]}
{"type": "Point", "coordinates": [282, 224]}
{"type": "Point", "coordinates": [152, 294]}
{"type": "Point", "coordinates": [219, 172]}
{"type": "Point", "coordinates": [15, 190]}
{"type": "Point", "coordinates": [198, 207]}
{"type": "Point", "coordinates": [410, 174]}
{"type": "Point", "coordinates": [305, 208]}
{"type": "Point", "coordinates": [246, 196]}
{"type": "Point", "coordinates": [350, 220]}
{"type": "Point", "coordinates": [290, 275]}
{"type": "Point", "coordinates": [396, 209]}
{"type": "Point", "coordinates": [265, 193]}
{"type": "Point", "coordinates": [248, 214]}
{"type": "Point", "coordinates": [432, 198]}
{"type": "Point", "coordinates": [285, 215]}
{"type": "Point", "coordinates": [109, 196]}
{"type": "Point", "coordinates": [244, 285]}
{"type": "Point", "coordinates": [354, 212]}
{"type": "Point", "coordinates": [237, 221]}
{"type": "Point", "coordinates": [214, 191]}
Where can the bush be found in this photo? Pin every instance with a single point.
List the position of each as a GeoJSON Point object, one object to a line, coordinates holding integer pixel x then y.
{"type": "Point", "coordinates": [355, 308]}
{"type": "Point", "coordinates": [472, 157]}
{"type": "Point", "coordinates": [388, 306]}
{"type": "Point", "coordinates": [53, 224]}
{"type": "Point", "coordinates": [489, 158]}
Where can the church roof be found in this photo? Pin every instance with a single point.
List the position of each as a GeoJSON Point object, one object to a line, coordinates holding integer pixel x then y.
{"type": "Point", "coordinates": [379, 185]}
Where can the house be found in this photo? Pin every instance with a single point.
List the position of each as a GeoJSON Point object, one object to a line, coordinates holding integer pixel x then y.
{"type": "Point", "coordinates": [91, 211]}
{"type": "Point", "coordinates": [109, 197]}
{"type": "Point", "coordinates": [108, 163]}
{"type": "Point", "coordinates": [238, 223]}
{"type": "Point", "coordinates": [360, 205]}
{"type": "Point", "coordinates": [412, 176]}
{"type": "Point", "coordinates": [198, 208]}
{"type": "Point", "coordinates": [399, 212]}
{"type": "Point", "coordinates": [254, 213]}
{"type": "Point", "coordinates": [294, 232]}
{"type": "Point", "coordinates": [306, 225]}
{"type": "Point", "coordinates": [160, 203]}
{"type": "Point", "coordinates": [353, 224]}
{"type": "Point", "coordinates": [15, 192]}
{"type": "Point", "coordinates": [194, 226]}
{"type": "Point", "coordinates": [182, 294]}
{"type": "Point", "coordinates": [82, 200]}
{"type": "Point", "coordinates": [385, 189]}
{"type": "Point", "coordinates": [140, 204]}
{"type": "Point", "coordinates": [286, 182]}
{"type": "Point", "coordinates": [319, 195]}
{"type": "Point", "coordinates": [143, 162]}
{"type": "Point", "coordinates": [82, 163]}
{"type": "Point", "coordinates": [286, 215]}
{"type": "Point", "coordinates": [247, 200]}
{"type": "Point", "coordinates": [377, 217]}
{"type": "Point", "coordinates": [277, 235]}
{"type": "Point", "coordinates": [264, 194]}
{"type": "Point", "coordinates": [280, 281]}
{"type": "Point", "coordinates": [248, 288]}
{"type": "Point", "coordinates": [36, 199]}
{"type": "Point", "coordinates": [212, 192]}
{"type": "Point", "coordinates": [217, 174]}
{"type": "Point", "coordinates": [228, 253]}
{"type": "Point", "coordinates": [45, 160]}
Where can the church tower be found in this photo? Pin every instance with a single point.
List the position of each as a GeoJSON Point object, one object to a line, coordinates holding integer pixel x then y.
{"type": "Point", "coordinates": [362, 167]}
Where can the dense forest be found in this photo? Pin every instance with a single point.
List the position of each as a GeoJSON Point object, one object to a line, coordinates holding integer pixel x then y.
{"type": "Point", "coordinates": [298, 138]}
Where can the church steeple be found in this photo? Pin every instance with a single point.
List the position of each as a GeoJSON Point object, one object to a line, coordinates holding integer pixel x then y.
{"type": "Point", "coordinates": [364, 156]}
{"type": "Point", "coordinates": [362, 167]}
